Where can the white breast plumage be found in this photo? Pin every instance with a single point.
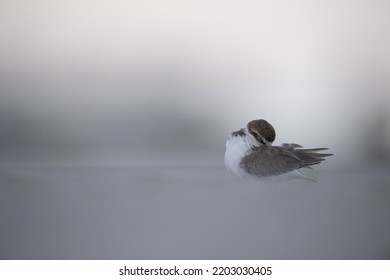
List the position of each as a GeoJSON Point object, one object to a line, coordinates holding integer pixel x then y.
{"type": "Point", "coordinates": [236, 148]}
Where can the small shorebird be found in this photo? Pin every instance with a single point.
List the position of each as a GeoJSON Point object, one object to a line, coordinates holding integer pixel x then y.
{"type": "Point", "coordinates": [249, 153]}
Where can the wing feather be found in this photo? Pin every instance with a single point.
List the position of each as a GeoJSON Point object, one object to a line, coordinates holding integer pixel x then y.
{"type": "Point", "coordinates": [275, 160]}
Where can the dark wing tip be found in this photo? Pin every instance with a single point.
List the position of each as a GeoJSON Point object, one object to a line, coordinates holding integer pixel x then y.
{"type": "Point", "coordinates": [310, 157]}
{"type": "Point", "coordinates": [314, 152]}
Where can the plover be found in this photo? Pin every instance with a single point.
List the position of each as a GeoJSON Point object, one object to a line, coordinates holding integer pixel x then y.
{"type": "Point", "coordinates": [249, 153]}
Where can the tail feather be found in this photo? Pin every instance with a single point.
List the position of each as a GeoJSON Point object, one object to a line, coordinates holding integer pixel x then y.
{"type": "Point", "coordinates": [313, 152]}
{"type": "Point", "coordinates": [310, 157]}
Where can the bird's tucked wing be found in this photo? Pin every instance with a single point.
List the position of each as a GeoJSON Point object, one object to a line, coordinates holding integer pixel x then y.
{"type": "Point", "coordinates": [274, 160]}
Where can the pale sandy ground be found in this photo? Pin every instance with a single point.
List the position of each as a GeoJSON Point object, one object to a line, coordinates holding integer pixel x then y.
{"type": "Point", "coordinates": [190, 213]}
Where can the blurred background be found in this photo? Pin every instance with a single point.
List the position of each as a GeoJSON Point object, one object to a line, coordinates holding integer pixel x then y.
{"type": "Point", "coordinates": [114, 116]}
{"type": "Point", "coordinates": [154, 82]}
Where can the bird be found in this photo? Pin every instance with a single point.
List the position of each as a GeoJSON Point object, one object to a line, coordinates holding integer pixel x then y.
{"type": "Point", "coordinates": [250, 153]}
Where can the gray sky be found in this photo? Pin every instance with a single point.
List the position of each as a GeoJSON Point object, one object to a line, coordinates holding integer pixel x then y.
{"type": "Point", "coordinates": [131, 81]}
